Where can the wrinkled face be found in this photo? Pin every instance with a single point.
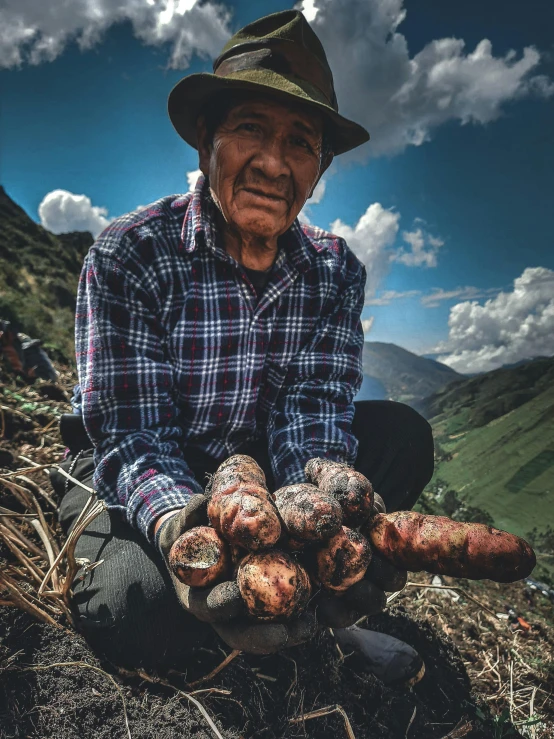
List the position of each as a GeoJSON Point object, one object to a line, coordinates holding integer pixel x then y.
{"type": "Point", "coordinates": [263, 165]}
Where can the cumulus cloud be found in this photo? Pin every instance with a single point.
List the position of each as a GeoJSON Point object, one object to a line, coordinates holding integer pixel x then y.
{"type": "Point", "coordinates": [192, 177]}
{"type": "Point", "coordinates": [319, 192]}
{"type": "Point", "coordinates": [317, 197]}
{"type": "Point", "coordinates": [371, 239]}
{"type": "Point", "coordinates": [401, 98]}
{"type": "Point", "coordinates": [423, 249]}
{"type": "Point", "coordinates": [61, 211]}
{"type": "Point", "coordinates": [35, 32]}
{"type": "Point", "coordinates": [510, 327]}
{"type": "Point", "coordinates": [367, 324]}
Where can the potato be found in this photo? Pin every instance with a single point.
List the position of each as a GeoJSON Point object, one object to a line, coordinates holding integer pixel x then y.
{"type": "Point", "coordinates": [273, 585]}
{"type": "Point", "coordinates": [246, 518]}
{"type": "Point", "coordinates": [343, 561]}
{"type": "Point", "coordinates": [308, 514]}
{"type": "Point", "coordinates": [200, 557]}
{"type": "Point", "coordinates": [350, 488]}
{"type": "Point", "coordinates": [437, 544]}
{"type": "Point", "coordinates": [235, 471]}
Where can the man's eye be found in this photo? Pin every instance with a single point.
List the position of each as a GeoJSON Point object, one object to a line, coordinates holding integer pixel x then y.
{"type": "Point", "coordinates": [299, 141]}
{"type": "Point", "coordinates": [250, 127]}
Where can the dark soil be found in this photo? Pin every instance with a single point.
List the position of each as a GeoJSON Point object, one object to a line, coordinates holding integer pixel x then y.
{"type": "Point", "coordinates": [74, 701]}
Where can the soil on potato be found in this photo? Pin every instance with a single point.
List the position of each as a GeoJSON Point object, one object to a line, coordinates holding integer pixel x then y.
{"type": "Point", "coordinates": [75, 701]}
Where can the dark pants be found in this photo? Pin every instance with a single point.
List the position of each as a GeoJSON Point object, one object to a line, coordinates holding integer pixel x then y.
{"type": "Point", "coordinates": [127, 608]}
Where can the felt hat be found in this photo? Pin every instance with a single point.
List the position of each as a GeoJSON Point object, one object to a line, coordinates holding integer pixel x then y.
{"type": "Point", "coordinates": [278, 55]}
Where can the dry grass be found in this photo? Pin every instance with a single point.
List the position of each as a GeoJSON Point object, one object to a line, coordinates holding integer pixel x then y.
{"type": "Point", "coordinates": [510, 663]}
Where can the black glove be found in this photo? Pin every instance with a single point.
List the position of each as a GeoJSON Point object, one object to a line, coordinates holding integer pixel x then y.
{"type": "Point", "coordinates": [222, 605]}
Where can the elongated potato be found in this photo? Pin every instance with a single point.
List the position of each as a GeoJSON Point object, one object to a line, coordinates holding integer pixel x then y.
{"type": "Point", "coordinates": [273, 585]}
{"type": "Point", "coordinates": [200, 557]}
{"type": "Point", "coordinates": [343, 560]}
{"type": "Point", "coordinates": [308, 513]}
{"type": "Point", "coordinates": [246, 518]}
{"type": "Point", "coordinates": [234, 472]}
{"type": "Point", "coordinates": [437, 544]}
{"type": "Point", "coordinates": [350, 488]}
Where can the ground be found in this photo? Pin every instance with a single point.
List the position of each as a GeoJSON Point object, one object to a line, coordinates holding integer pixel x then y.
{"type": "Point", "coordinates": [488, 674]}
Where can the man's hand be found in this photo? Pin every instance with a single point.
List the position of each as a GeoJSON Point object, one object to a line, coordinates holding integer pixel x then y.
{"type": "Point", "coordinates": [222, 605]}
{"type": "Point", "coordinates": [366, 597]}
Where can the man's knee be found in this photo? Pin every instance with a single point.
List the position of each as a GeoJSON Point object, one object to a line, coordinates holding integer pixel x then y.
{"type": "Point", "coordinates": [395, 450]}
{"type": "Point", "coordinates": [398, 422]}
{"type": "Point", "coordinates": [416, 434]}
{"type": "Point", "coordinates": [416, 429]}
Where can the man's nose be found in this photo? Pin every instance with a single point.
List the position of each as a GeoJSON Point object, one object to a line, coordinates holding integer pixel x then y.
{"type": "Point", "coordinates": [271, 158]}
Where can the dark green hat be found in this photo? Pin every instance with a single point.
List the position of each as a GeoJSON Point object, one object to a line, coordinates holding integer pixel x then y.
{"type": "Point", "coordinates": [279, 55]}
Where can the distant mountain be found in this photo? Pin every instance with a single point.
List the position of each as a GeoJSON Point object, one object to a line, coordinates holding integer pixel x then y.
{"type": "Point", "coordinates": [492, 394]}
{"type": "Point", "coordinates": [395, 373]}
{"type": "Point", "coordinates": [504, 366]}
{"type": "Point", "coordinates": [39, 273]}
{"type": "Point", "coordinates": [494, 444]}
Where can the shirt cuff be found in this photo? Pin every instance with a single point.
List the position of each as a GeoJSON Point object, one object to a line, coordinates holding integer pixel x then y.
{"type": "Point", "coordinates": [156, 496]}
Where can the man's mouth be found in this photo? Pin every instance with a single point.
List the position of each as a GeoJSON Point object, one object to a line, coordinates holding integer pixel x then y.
{"type": "Point", "coordinates": [266, 195]}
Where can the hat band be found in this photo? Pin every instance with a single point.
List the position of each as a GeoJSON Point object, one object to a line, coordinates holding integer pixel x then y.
{"type": "Point", "coordinates": [286, 60]}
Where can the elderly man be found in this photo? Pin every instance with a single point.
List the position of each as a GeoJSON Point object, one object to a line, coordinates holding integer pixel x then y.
{"type": "Point", "coordinates": [214, 323]}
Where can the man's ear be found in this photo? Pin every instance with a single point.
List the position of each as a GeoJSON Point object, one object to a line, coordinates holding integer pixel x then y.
{"type": "Point", "coordinates": [204, 145]}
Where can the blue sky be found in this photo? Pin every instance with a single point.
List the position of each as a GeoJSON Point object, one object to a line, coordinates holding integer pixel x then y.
{"type": "Point", "coordinates": [450, 205]}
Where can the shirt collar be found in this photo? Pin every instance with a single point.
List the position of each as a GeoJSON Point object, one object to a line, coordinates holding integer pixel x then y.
{"type": "Point", "coordinates": [200, 226]}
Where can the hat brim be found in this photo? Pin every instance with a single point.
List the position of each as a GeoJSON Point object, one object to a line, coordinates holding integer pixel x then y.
{"type": "Point", "coordinates": [192, 93]}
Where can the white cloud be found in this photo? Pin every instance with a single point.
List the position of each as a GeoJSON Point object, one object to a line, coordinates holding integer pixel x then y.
{"type": "Point", "coordinates": [371, 239]}
{"type": "Point", "coordinates": [308, 7]}
{"type": "Point", "coordinates": [423, 249]}
{"type": "Point", "coordinates": [192, 178]}
{"type": "Point", "coordinates": [317, 197]}
{"type": "Point", "coordinates": [367, 324]}
{"type": "Point", "coordinates": [402, 99]}
{"type": "Point", "coordinates": [34, 32]}
{"type": "Point", "coordinates": [61, 211]}
{"type": "Point", "coordinates": [385, 297]}
{"type": "Point", "coordinates": [438, 295]}
{"type": "Point", "coordinates": [508, 328]}
{"type": "Point", "coordinates": [319, 192]}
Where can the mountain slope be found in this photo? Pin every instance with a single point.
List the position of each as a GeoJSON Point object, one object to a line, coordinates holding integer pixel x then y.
{"type": "Point", "coordinates": [403, 375]}
{"type": "Point", "coordinates": [485, 397]}
{"type": "Point", "coordinates": [38, 277]}
{"type": "Point", "coordinates": [494, 439]}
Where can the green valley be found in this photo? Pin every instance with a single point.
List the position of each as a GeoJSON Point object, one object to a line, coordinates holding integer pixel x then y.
{"type": "Point", "coordinates": [494, 438]}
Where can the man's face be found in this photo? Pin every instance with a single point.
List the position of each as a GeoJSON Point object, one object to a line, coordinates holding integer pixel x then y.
{"type": "Point", "coordinates": [263, 165]}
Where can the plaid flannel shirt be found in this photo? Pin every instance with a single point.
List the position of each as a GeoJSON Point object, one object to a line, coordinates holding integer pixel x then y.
{"type": "Point", "coordinates": [174, 350]}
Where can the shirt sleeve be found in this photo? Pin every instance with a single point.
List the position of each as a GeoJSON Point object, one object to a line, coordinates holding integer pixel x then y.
{"type": "Point", "coordinates": [126, 382]}
{"type": "Point", "coordinates": [315, 407]}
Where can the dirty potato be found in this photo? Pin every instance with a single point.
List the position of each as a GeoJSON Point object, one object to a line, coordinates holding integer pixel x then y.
{"type": "Point", "coordinates": [200, 557]}
{"type": "Point", "coordinates": [273, 585]}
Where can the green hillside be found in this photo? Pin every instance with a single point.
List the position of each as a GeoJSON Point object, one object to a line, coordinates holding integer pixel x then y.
{"type": "Point", "coordinates": [494, 439]}
{"type": "Point", "coordinates": [38, 278]}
